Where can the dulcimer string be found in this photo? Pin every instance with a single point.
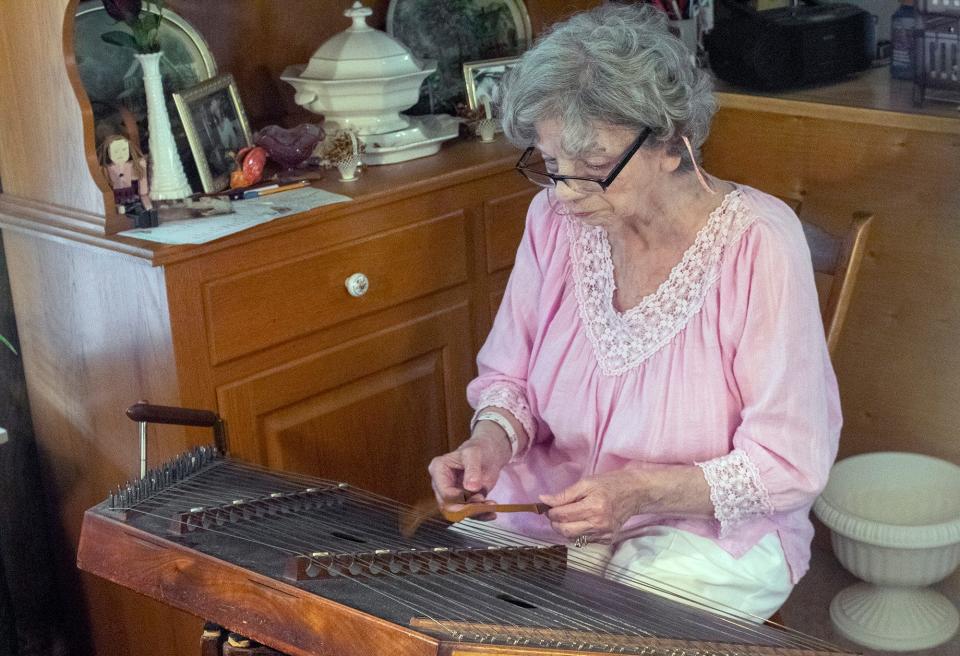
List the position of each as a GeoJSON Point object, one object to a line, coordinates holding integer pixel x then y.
{"type": "Point", "coordinates": [215, 492]}
{"type": "Point", "coordinates": [416, 606]}
{"type": "Point", "coordinates": [204, 492]}
{"type": "Point", "coordinates": [484, 532]}
{"type": "Point", "coordinates": [244, 481]}
{"type": "Point", "coordinates": [488, 531]}
{"type": "Point", "coordinates": [220, 489]}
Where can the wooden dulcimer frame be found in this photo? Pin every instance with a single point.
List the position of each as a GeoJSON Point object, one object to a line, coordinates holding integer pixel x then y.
{"type": "Point", "coordinates": [315, 567]}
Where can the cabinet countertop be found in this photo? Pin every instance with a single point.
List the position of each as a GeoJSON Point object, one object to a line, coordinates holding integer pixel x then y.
{"type": "Point", "coordinates": [458, 161]}
{"type": "Point", "coordinates": [870, 97]}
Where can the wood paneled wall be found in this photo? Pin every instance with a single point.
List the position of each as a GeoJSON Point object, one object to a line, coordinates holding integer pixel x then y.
{"type": "Point", "coordinates": [43, 153]}
{"type": "Point", "coordinates": [897, 363]}
{"type": "Point", "coordinates": [256, 39]}
{"type": "Point", "coordinates": [94, 330]}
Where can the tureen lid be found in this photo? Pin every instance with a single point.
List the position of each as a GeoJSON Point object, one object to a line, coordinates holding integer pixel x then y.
{"type": "Point", "coordinates": [360, 52]}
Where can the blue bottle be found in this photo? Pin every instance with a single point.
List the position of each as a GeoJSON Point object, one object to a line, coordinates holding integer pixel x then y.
{"type": "Point", "coordinates": [902, 24]}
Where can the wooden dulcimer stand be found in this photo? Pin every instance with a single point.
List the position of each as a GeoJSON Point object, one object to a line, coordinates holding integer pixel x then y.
{"type": "Point", "coordinates": [309, 566]}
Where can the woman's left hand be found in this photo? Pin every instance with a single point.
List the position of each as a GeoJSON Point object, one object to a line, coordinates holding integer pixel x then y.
{"type": "Point", "coordinates": [596, 507]}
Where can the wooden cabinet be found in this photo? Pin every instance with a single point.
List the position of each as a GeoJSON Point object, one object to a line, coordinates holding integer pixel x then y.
{"type": "Point", "coordinates": [312, 379]}
{"type": "Point", "coordinates": [261, 328]}
{"type": "Point", "coordinates": [258, 326]}
{"type": "Point", "coordinates": [372, 411]}
{"type": "Point", "coordinates": [502, 235]}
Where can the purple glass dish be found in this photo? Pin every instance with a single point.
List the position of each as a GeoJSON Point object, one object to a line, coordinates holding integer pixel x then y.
{"type": "Point", "coordinates": [290, 147]}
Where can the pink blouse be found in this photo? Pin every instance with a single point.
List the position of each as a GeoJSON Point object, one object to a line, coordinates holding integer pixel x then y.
{"type": "Point", "coordinates": [724, 366]}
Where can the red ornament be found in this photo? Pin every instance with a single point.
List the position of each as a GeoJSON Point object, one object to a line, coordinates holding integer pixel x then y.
{"type": "Point", "coordinates": [250, 163]}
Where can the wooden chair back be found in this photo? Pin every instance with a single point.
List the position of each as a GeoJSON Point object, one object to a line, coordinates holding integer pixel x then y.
{"type": "Point", "coordinates": [839, 257]}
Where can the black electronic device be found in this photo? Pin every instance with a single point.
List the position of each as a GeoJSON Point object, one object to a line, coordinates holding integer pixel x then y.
{"type": "Point", "coordinates": [789, 47]}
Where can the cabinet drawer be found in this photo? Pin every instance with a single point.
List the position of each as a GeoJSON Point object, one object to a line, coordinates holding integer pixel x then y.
{"type": "Point", "coordinates": [503, 220]}
{"type": "Point", "coordinates": [296, 297]}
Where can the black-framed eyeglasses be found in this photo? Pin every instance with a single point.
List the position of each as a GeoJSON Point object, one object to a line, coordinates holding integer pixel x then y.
{"type": "Point", "coordinates": [579, 184]}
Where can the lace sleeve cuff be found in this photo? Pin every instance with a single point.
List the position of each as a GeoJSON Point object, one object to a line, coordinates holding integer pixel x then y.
{"type": "Point", "coordinates": [736, 490]}
{"type": "Point", "coordinates": [509, 397]}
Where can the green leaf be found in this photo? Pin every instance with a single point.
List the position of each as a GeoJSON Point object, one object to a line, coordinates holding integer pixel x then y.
{"type": "Point", "coordinates": [6, 342]}
{"type": "Point", "coordinates": [149, 22]}
{"type": "Point", "coordinates": [122, 39]}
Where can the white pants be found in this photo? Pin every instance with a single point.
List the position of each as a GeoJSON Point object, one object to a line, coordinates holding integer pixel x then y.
{"type": "Point", "coordinates": [694, 570]}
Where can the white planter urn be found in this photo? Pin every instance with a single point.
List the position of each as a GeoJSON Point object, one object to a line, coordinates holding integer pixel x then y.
{"type": "Point", "coordinates": [894, 520]}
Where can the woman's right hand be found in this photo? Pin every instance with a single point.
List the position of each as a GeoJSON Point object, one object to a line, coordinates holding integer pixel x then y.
{"type": "Point", "coordinates": [469, 473]}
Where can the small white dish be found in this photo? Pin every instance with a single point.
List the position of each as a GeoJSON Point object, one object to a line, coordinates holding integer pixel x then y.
{"type": "Point", "coordinates": [421, 138]}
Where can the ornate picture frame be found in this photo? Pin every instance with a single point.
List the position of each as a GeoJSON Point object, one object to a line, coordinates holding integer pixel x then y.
{"type": "Point", "coordinates": [482, 78]}
{"type": "Point", "coordinates": [216, 127]}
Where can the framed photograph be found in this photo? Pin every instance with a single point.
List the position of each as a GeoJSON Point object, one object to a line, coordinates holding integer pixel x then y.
{"type": "Point", "coordinates": [454, 33]}
{"type": "Point", "coordinates": [216, 127]}
{"type": "Point", "coordinates": [482, 79]}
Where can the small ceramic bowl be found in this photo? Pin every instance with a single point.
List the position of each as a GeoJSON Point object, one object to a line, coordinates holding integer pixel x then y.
{"type": "Point", "coordinates": [348, 168]}
{"type": "Point", "coordinates": [486, 129]}
{"type": "Point", "coordinates": [290, 147]}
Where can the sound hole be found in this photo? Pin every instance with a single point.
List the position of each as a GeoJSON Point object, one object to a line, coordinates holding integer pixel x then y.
{"type": "Point", "coordinates": [513, 600]}
{"type": "Point", "coordinates": [346, 536]}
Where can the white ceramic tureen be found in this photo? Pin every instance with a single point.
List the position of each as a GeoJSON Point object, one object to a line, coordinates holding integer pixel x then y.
{"type": "Point", "coordinates": [360, 80]}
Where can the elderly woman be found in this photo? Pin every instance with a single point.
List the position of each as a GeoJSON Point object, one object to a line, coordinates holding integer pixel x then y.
{"type": "Point", "coordinates": [657, 372]}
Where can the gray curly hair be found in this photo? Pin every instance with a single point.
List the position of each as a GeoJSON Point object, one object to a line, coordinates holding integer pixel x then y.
{"type": "Point", "coordinates": [617, 65]}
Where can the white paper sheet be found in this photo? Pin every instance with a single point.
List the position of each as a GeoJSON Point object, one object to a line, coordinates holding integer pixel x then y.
{"type": "Point", "coordinates": [246, 214]}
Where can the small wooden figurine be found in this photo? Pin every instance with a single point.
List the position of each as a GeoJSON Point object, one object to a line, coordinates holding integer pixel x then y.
{"type": "Point", "coordinates": [125, 167]}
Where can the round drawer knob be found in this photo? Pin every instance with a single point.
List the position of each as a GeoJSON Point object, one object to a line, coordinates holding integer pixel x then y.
{"type": "Point", "coordinates": [357, 285]}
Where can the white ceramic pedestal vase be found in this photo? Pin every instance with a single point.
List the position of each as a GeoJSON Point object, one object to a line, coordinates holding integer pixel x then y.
{"type": "Point", "coordinates": [167, 179]}
{"type": "Point", "coordinates": [895, 523]}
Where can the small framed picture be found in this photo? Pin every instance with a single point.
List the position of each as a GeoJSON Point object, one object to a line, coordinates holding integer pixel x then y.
{"type": "Point", "coordinates": [216, 127]}
{"type": "Point", "coordinates": [483, 81]}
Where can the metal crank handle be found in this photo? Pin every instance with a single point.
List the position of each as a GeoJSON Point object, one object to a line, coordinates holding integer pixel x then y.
{"type": "Point", "coordinates": [165, 414]}
{"type": "Point", "coordinates": [144, 413]}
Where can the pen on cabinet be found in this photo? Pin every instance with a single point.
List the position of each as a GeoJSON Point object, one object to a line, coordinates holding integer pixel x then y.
{"type": "Point", "coordinates": [233, 194]}
{"type": "Point", "coordinates": [287, 187]}
{"type": "Point", "coordinates": [248, 194]}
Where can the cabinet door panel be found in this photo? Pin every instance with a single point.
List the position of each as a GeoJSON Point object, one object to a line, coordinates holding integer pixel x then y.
{"type": "Point", "coordinates": [503, 220]}
{"type": "Point", "coordinates": [371, 412]}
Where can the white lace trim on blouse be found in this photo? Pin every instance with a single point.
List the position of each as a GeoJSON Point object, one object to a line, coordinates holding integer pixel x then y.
{"type": "Point", "coordinates": [509, 397]}
{"type": "Point", "coordinates": [621, 341]}
{"type": "Point", "coordinates": [736, 490]}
